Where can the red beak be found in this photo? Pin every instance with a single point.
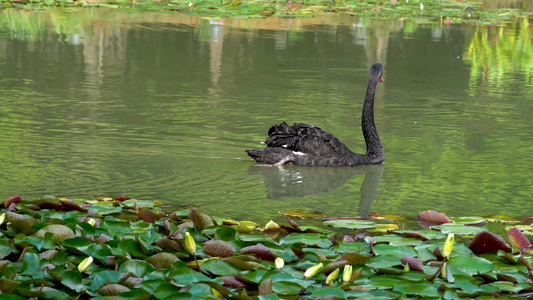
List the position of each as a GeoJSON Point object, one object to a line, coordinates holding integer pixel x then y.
{"type": "Point", "coordinates": [380, 78]}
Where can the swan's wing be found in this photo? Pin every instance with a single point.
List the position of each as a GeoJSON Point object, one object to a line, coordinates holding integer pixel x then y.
{"type": "Point", "coordinates": [308, 139]}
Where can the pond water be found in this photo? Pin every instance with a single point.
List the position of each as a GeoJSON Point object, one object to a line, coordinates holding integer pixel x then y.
{"type": "Point", "coordinates": [162, 105]}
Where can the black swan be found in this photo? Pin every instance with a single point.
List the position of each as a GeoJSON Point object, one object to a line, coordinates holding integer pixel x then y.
{"type": "Point", "coordinates": [308, 145]}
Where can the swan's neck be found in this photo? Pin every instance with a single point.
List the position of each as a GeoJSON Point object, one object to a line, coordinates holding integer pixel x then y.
{"type": "Point", "coordinates": [374, 149]}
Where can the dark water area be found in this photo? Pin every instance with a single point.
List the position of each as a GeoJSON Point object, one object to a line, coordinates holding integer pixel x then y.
{"type": "Point", "coordinates": [161, 106]}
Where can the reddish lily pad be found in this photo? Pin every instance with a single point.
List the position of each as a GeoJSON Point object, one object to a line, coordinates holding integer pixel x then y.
{"type": "Point", "coordinates": [488, 242]}
{"type": "Point", "coordinates": [414, 263]}
{"type": "Point", "coordinates": [518, 239]}
{"type": "Point", "coordinates": [432, 217]}
{"type": "Point", "coordinates": [219, 248]}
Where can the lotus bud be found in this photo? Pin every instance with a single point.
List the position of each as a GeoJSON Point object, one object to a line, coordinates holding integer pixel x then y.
{"type": "Point", "coordinates": [443, 272]}
{"type": "Point", "coordinates": [189, 243]}
{"type": "Point", "coordinates": [279, 263]}
{"type": "Point", "coordinates": [2, 218]}
{"type": "Point", "coordinates": [347, 273]}
{"type": "Point", "coordinates": [448, 245]}
{"type": "Point", "coordinates": [313, 270]}
{"type": "Point", "coordinates": [85, 264]}
{"type": "Point", "coordinates": [406, 267]}
{"type": "Point", "coordinates": [271, 225]}
{"type": "Point", "coordinates": [91, 221]}
{"type": "Point", "coordinates": [332, 276]}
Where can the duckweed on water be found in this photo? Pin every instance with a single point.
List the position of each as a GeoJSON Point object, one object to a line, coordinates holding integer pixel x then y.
{"type": "Point", "coordinates": [427, 11]}
{"type": "Point", "coordinates": [132, 249]}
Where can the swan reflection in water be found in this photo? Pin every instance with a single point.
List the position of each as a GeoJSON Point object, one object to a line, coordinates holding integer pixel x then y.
{"type": "Point", "coordinates": [296, 181]}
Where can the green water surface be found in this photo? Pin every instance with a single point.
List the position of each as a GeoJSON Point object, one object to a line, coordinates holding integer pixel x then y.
{"type": "Point", "coordinates": [162, 105]}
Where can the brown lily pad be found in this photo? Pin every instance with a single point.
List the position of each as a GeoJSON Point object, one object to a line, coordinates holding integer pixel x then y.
{"type": "Point", "coordinates": [200, 219]}
{"type": "Point", "coordinates": [431, 217]}
{"type": "Point", "coordinates": [518, 239]}
{"type": "Point", "coordinates": [486, 241]}
{"type": "Point", "coordinates": [15, 199]}
{"type": "Point", "coordinates": [260, 251]}
{"type": "Point", "coordinates": [414, 263]}
{"type": "Point", "coordinates": [219, 248]}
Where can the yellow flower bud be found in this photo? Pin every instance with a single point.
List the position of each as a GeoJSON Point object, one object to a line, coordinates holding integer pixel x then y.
{"type": "Point", "coordinates": [347, 273]}
{"type": "Point", "coordinates": [332, 276]}
{"type": "Point", "coordinates": [189, 243]}
{"type": "Point", "coordinates": [279, 263]}
{"type": "Point", "coordinates": [91, 222]}
{"type": "Point", "coordinates": [85, 264]}
{"type": "Point", "coordinates": [2, 218]}
{"type": "Point", "coordinates": [448, 245]}
{"type": "Point", "coordinates": [313, 270]}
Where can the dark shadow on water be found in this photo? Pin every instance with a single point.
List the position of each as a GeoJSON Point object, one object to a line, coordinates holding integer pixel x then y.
{"type": "Point", "coordinates": [295, 181]}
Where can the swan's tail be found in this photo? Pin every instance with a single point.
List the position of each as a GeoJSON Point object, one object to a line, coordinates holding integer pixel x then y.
{"type": "Point", "coordinates": [269, 155]}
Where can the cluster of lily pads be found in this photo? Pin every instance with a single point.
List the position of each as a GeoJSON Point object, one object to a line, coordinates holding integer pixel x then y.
{"type": "Point", "coordinates": [121, 248]}
{"type": "Point", "coordinates": [448, 11]}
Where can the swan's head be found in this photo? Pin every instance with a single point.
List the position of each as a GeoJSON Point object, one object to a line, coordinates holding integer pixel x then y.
{"type": "Point", "coordinates": [376, 72]}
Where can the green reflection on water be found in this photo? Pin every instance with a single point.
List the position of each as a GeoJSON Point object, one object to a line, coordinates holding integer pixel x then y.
{"type": "Point", "coordinates": [162, 106]}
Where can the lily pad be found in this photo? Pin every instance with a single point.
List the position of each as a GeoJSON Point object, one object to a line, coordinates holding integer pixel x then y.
{"type": "Point", "coordinates": [302, 214]}
{"type": "Point", "coordinates": [351, 224]}
{"type": "Point", "coordinates": [60, 232]}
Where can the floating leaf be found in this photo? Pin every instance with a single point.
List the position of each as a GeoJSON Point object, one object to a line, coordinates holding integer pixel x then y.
{"type": "Point", "coordinates": [162, 260]}
{"type": "Point", "coordinates": [260, 251]}
{"type": "Point", "coordinates": [302, 214]}
{"type": "Point", "coordinates": [220, 268]}
{"type": "Point", "coordinates": [7, 286]}
{"type": "Point", "coordinates": [414, 263]}
{"type": "Point", "coordinates": [60, 232]}
{"type": "Point", "coordinates": [200, 219]}
{"type": "Point", "coordinates": [518, 239]}
{"type": "Point", "coordinates": [311, 239]}
{"type": "Point", "coordinates": [351, 224]}
{"type": "Point", "coordinates": [14, 199]}
{"type": "Point", "coordinates": [471, 264]}
{"type": "Point", "coordinates": [69, 205]}
{"type": "Point", "coordinates": [458, 229]}
{"type": "Point", "coordinates": [472, 221]}
{"type": "Point", "coordinates": [218, 248]}
{"type": "Point", "coordinates": [432, 217]}
{"type": "Point", "coordinates": [5, 248]}
{"type": "Point", "coordinates": [113, 289]}
{"type": "Point", "coordinates": [488, 242]}
{"type": "Point", "coordinates": [232, 282]}
{"type": "Point", "coordinates": [138, 267]}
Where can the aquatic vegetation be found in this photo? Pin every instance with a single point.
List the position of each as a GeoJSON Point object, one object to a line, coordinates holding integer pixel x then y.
{"type": "Point", "coordinates": [95, 249]}
{"type": "Point", "coordinates": [450, 11]}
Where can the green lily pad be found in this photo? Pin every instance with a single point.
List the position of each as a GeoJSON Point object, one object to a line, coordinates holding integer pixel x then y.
{"type": "Point", "coordinates": [73, 280]}
{"type": "Point", "coordinates": [420, 288]}
{"type": "Point", "coordinates": [329, 291]}
{"type": "Point", "coordinates": [302, 214]}
{"type": "Point", "coordinates": [5, 248]}
{"type": "Point", "coordinates": [137, 267]}
{"type": "Point", "coordinates": [472, 264]}
{"type": "Point", "coordinates": [60, 232]}
{"type": "Point", "coordinates": [220, 268]}
{"type": "Point", "coordinates": [351, 224]}
{"type": "Point", "coordinates": [399, 251]}
{"type": "Point", "coordinates": [106, 209]}
{"type": "Point", "coordinates": [458, 229]}
{"type": "Point", "coordinates": [379, 282]}
{"type": "Point", "coordinates": [395, 240]}
{"type": "Point", "coordinates": [311, 239]}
